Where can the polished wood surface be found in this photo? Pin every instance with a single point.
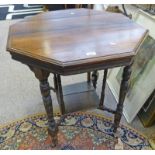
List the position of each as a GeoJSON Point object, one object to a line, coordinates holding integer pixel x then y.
{"type": "Point", "coordinates": [75, 38]}
{"type": "Point", "coordinates": [71, 42]}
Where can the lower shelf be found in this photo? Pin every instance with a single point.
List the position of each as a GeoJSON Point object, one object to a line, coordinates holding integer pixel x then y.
{"type": "Point", "coordinates": [80, 96]}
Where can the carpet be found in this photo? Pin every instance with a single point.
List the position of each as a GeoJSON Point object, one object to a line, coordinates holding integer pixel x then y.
{"type": "Point", "coordinates": [77, 131]}
{"type": "Point", "coordinates": [152, 142]}
{"type": "Point", "coordinates": [17, 11]}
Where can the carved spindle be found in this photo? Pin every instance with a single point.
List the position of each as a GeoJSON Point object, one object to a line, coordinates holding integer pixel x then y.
{"type": "Point", "coordinates": [95, 76]}
{"type": "Point", "coordinates": [52, 126]}
{"type": "Point", "coordinates": [42, 76]}
{"type": "Point", "coordinates": [101, 104]}
{"type": "Point", "coordinates": [122, 94]}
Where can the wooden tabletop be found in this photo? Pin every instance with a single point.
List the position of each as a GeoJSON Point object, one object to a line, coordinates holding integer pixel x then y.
{"type": "Point", "coordinates": [75, 38]}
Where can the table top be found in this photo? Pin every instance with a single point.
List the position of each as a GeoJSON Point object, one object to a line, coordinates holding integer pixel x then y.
{"type": "Point", "coordinates": [74, 39]}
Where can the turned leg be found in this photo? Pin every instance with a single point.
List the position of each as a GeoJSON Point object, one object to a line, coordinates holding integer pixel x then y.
{"type": "Point", "coordinates": [88, 77]}
{"type": "Point", "coordinates": [42, 76]}
{"type": "Point", "coordinates": [122, 94]}
{"type": "Point", "coordinates": [52, 127]}
{"type": "Point", "coordinates": [56, 87]}
{"type": "Point", "coordinates": [60, 95]}
{"type": "Point", "coordinates": [95, 76]}
{"type": "Point", "coordinates": [101, 104]}
{"type": "Point", "coordinates": [55, 82]}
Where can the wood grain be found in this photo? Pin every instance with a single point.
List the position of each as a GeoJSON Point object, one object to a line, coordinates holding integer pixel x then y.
{"type": "Point", "coordinates": [75, 41]}
{"type": "Point", "coordinates": [75, 37]}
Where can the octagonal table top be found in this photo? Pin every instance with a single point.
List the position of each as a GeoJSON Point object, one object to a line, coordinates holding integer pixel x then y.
{"type": "Point", "coordinates": [75, 38]}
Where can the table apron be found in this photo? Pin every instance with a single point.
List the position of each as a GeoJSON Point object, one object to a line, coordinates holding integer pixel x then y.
{"type": "Point", "coordinates": [71, 70]}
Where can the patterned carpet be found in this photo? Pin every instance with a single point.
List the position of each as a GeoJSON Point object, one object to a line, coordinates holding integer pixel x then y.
{"type": "Point", "coordinates": [16, 11]}
{"type": "Point", "coordinates": [77, 131]}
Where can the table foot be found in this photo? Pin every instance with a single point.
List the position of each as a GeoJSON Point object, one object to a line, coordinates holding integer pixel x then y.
{"type": "Point", "coordinates": [122, 94]}
{"type": "Point", "coordinates": [104, 108]}
{"type": "Point", "coordinates": [118, 144]}
{"type": "Point", "coordinates": [52, 131]}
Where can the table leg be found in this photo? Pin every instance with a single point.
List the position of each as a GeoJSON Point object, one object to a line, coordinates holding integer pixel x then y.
{"type": "Point", "coordinates": [56, 87]}
{"type": "Point", "coordinates": [88, 77]}
{"type": "Point", "coordinates": [123, 90]}
{"type": "Point", "coordinates": [101, 104]}
{"type": "Point", "coordinates": [42, 76]}
{"type": "Point", "coordinates": [95, 76]}
{"type": "Point", "coordinates": [55, 82]}
{"type": "Point", "coordinates": [60, 95]}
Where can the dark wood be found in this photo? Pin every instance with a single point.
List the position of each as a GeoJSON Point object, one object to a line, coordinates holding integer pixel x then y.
{"type": "Point", "coordinates": [56, 87]}
{"type": "Point", "coordinates": [107, 109]}
{"type": "Point", "coordinates": [95, 76]}
{"type": "Point", "coordinates": [88, 77]}
{"type": "Point", "coordinates": [58, 42]}
{"type": "Point", "coordinates": [56, 69]}
{"type": "Point", "coordinates": [54, 7]}
{"type": "Point", "coordinates": [42, 76]}
{"type": "Point", "coordinates": [79, 96]}
{"type": "Point", "coordinates": [91, 6]}
{"type": "Point", "coordinates": [122, 94]}
{"type": "Point", "coordinates": [75, 41]}
{"type": "Point", "coordinates": [70, 6]}
{"type": "Point", "coordinates": [55, 82]}
{"type": "Point", "coordinates": [101, 105]}
{"type": "Point", "coordinates": [60, 95]}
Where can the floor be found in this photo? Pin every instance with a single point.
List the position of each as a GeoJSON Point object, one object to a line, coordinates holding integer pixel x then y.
{"type": "Point", "coordinates": [20, 95]}
{"type": "Point", "coordinates": [11, 11]}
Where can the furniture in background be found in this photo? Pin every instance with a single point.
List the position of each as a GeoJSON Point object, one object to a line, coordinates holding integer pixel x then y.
{"type": "Point", "coordinates": [146, 20]}
{"type": "Point", "coordinates": [143, 71]}
{"type": "Point", "coordinates": [147, 113]}
{"type": "Point", "coordinates": [101, 40]}
{"type": "Point", "coordinates": [116, 8]}
{"type": "Point", "coordinates": [149, 8]}
{"type": "Point", "coordinates": [54, 7]}
{"type": "Point", "coordinates": [141, 82]}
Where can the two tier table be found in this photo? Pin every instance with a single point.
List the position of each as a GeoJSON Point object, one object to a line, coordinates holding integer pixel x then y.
{"type": "Point", "coordinates": [75, 41]}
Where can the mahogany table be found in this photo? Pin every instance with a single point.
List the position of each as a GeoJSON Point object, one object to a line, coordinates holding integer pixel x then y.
{"type": "Point", "coordinates": [76, 41]}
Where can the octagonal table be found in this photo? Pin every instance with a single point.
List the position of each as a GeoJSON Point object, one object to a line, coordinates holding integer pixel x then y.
{"type": "Point", "coordinates": [76, 41]}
